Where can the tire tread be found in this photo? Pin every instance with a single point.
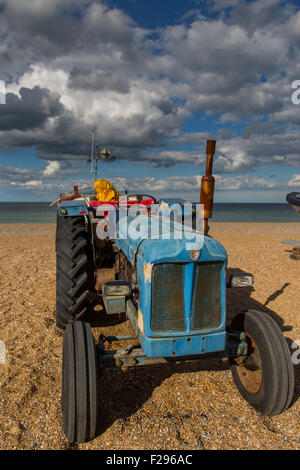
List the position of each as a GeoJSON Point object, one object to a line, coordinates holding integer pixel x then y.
{"type": "Point", "coordinates": [74, 269]}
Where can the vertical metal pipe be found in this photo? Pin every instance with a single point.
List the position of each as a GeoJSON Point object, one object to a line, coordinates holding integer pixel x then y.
{"type": "Point", "coordinates": [96, 162]}
{"type": "Point", "coordinates": [208, 185]}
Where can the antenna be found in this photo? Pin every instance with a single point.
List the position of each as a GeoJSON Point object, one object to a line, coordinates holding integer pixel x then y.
{"type": "Point", "coordinates": [92, 153]}
{"type": "Point", "coordinates": [104, 155]}
{"type": "Point", "coordinates": [96, 163]}
{"type": "Point", "coordinates": [91, 159]}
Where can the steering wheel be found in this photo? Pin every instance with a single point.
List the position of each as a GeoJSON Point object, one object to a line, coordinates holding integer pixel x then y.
{"type": "Point", "coordinates": [140, 197]}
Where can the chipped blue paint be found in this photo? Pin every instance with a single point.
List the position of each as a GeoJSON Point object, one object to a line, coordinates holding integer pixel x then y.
{"type": "Point", "coordinates": [184, 346]}
{"type": "Point", "coordinates": [74, 207]}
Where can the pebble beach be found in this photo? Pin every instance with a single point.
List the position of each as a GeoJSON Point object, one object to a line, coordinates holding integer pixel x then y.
{"type": "Point", "coordinates": [192, 405]}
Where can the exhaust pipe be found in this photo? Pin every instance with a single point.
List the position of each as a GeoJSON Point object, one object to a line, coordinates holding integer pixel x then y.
{"type": "Point", "coordinates": [208, 185]}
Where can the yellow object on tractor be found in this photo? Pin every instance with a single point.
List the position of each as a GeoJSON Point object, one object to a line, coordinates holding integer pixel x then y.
{"type": "Point", "coordinates": [106, 191]}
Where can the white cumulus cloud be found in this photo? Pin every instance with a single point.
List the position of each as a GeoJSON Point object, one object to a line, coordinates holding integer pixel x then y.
{"type": "Point", "coordinates": [52, 169]}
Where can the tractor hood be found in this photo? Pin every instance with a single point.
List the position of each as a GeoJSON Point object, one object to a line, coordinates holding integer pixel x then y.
{"type": "Point", "coordinates": [161, 242]}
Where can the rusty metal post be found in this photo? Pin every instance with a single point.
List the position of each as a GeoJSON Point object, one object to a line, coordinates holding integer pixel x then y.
{"type": "Point", "coordinates": [208, 185]}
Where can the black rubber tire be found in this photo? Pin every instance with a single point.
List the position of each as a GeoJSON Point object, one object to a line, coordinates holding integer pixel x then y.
{"type": "Point", "coordinates": [277, 380]}
{"type": "Point", "coordinates": [74, 269]}
{"type": "Point", "coordinates": [79, 383]}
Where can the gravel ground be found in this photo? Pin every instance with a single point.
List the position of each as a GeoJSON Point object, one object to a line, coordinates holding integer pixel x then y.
{"type": "Point", "coordinates": [191, 405]}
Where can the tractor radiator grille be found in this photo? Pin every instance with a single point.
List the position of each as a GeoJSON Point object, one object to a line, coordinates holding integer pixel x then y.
{"type": "Point", "coordinates": [206, 304]}
{"type": "Point", "coordinates": [167, 298]}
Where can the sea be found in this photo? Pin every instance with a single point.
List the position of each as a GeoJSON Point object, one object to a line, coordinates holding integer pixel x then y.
{"type": "Point", "coordinates": [41, 212]}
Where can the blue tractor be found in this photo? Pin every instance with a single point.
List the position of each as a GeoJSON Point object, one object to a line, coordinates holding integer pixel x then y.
{"type": "Point", "coordinates": [173, 292]}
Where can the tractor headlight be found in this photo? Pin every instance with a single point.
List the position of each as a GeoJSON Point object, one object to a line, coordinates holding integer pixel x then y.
{"type": "Point", "coordinates": [241, 280]}
{"type": "Point", "coordinates": [63, 211]}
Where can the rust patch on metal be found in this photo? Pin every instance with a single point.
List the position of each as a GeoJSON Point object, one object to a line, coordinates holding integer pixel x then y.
{"type": "Point", "coordinates": [104, 275]}
{"type": "Point", "coordinates": [208, 185]}
{"type": "Point", "coordinates": [250, 370]}
{"type": "Point", "coordinates": [140, 321]}
{"type": "Point", "coordinates": [147, 271]}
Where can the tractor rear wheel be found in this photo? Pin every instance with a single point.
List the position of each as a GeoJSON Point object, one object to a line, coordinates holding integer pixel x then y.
{"type": "Point", "coordinates": [79, 383]}
{"type": "Point", "coordinates": [74, 269]}
{"type": "Point", "coordinates": [265, 378]}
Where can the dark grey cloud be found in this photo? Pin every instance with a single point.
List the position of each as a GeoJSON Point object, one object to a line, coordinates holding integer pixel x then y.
{"type": "Point", "coordinates": [261, 14]}
{"type": "Point", "coordinates": [259, 148]}
{"type": "Point", "coordinates": [36, 31]}
{"type": "Point", "coordinates": [30, 110]}
{"type": "Point", "coordinates": [97, 80]}
{"type": "Point", "coordinates": [263, 128]}
{"type": "Point", "coordinates": [226, 67]}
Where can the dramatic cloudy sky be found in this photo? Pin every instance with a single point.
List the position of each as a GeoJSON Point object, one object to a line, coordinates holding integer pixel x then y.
{"type": "Point", "coordinates": [153, 80]}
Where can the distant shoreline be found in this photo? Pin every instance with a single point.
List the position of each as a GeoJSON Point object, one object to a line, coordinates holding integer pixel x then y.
{"type": "Point", "coordinates": [41, 212]}
{"type": "Point", "coordinates": [286, 230]}
{"type": "Point", "coordinates": [194, 202]}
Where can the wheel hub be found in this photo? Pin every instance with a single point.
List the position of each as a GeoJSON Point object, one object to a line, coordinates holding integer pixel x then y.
{"type": "Point", "coordinates": [250, 368]}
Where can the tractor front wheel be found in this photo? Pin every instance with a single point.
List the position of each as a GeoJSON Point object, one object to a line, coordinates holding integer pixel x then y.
{"type": "Point", "coordinates": [74, 269]}
{"type": "Point", "coordinates": [79, 383]}
{"type": "Point", "coordinates": [265, 377]}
